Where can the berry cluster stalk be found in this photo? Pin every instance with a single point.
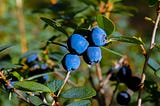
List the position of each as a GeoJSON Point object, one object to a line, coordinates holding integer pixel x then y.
{"type": "Point", "coordinates": [65, 81]}
{"type": "Point", "coordinates": [147, 56]}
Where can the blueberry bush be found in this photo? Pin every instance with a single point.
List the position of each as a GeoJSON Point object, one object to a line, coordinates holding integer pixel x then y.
{"type": "Point", "coordinates": [79, 53]}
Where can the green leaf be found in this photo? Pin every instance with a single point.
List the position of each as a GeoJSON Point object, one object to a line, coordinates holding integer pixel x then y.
{"type": "Point", "coordinates": [5, 47]}
{"type": "Point", "coordinates": [111, 51]}
{"type": "Point", "coordinates": [80, 103]}
{"type": "Point", "coordinates": [54, 25]}
{"type": "Point", "coordinates": [105, 24]}
{"type": "Point", "coordinates": [153, 64]}
{"type": "Point", "coordinates": [35, 100]}
{"type": "Point", "coordinates": [25, 55]}
{"type": "Point", "coordinates": [31, 86]}
{"type": "Point", "coordinates": [157, 73]}
{"type": "Point", "coordinates": [152, 2]}
{"type": "Point", "coordinates": [7, 65]}
{"type": "Point", "coordinates": [127, 39]}
{"type": "Point", "coordinates": [79, 93]}
{"type": "Point", "coordinates": [55, 85]}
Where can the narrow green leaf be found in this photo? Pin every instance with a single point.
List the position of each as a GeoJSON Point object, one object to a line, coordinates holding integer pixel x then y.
{"type": "Point", "coordinates": [111, 51]}
{"type": "Point", "coordinates": [79, 93]}
{"type": "Point", "coordinates": [35, 100]}
{"type": "Point", "coordinates": [54, 25]}
{"type": "Point", "coordinates": [127, 39]}
{"type": "Point", "coordinates": [105, 24]}
{"type": "Point", "coordinates": [81, 103]}
{"type": "Point", "coordinates": [55, 85]}
{"type": "Point", "coordinates": [31, 86]}
{"type": "Point", "coordinates": [5, 47]}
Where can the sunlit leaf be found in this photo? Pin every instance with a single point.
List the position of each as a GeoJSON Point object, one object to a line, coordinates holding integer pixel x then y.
{"type": "Point", "coordinates": [54, 25]}
{"type": "Point", "coordinates": [127, 39]}
{"type": "Point", "coordinates": [80, 103]}
{"type": "Point", "coordinates": [105, 24]}
{"type": "Point", "coordinates": [31, 86]}
{"type": "Point", "coordinates": [55, 85]}
{"type": "Point", "coordinates": [79, 93]}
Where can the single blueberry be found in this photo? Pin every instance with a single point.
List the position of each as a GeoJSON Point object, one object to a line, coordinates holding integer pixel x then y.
{"type": "Point", "coordinates": [45, 77]}
{"type": "Point", "coordinates": [123, 98]}
{"type": "Point", "coordinates": [134, 83]}
{"type": "Point", "coordinates": [71, 62]}
{"type": "Point", "coordinates": [97, 37]}
{"type": "Point", "coordinates": [44, 66]}
{"type": "Point", "coordinates": [124, 73]}
{"type": "Point", "coordinates": [32, 58]}
{"type": "Point", "coordinates": [92, 55]}
{"type": "Point", "coordinates": [77, 44]}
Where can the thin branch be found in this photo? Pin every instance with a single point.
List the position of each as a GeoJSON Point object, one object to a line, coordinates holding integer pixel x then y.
{"type": "Point", "coordinates": [114, 92]}
{"type": "Point", "coordinates": [20, 18]}
{"type": "Point", "coordinates": [56, 43]}
{"type": "Point", "coordinates": [9, 86]}
{"type": "Point", "coordinates": [147, 56]}
{"type": "Point", "coordinates": [65, 81]}
{"type": "Point", "coordinates": [100, 97]}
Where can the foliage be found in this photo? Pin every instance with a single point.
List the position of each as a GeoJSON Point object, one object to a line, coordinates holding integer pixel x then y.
{"type": "Point", "coordinates": [40, 29]}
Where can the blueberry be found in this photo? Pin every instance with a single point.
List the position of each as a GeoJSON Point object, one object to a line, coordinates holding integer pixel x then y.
{"type": "Point", "coordinates": [77, 44]}
{"type": "Point", "coordinates": [13, 80]}
{"type": "Point", "coordinates": [32, 58]}
{"type": "Point", "coordinates": [123, 98]}
{"type": "Point", "coordinates": [71, 62]}
{"type": "Point", "coordinates": [44, 66]}
{"type": "Point", "coordinates": [134, 83]}
{"type": "Point", "coordinates": [97, 37]}
{"type": "Point", "coordinates": [124, 73]}
{"type": "Point", "coordinates": [92, 55]}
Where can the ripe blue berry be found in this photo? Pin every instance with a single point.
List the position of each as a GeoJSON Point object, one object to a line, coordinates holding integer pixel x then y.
{"type": "Point", "coordinates": [124, 73]}
{"type": "Point", "coordinates": [92, 55]}
{"type": "Point", "coordinates": [134, 83]}
{"type": "Point", "coordinates": [123, 98]}
{"type": "Point", "coordinates": [32, 58]}
{"type": "Point", "coordinates": [71, 62]}
{"type": "Point", "coordinates": [77, 44]}
{"type": "Point", "coordinates": [97, 37]}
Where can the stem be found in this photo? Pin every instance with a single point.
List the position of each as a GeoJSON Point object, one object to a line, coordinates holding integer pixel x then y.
{"type": "Point", "coordinates": [21, 25]}
{"type": "Point", "coordinates": [114, 94]}
{"type": "Point", "coordinates": [17, 92]}
{"type": "Point", "coordinates": [65, 80]}
{"type": "Point", "coordinates": [56, 43]}
{"type": "Point", "coordinates": [99, 72]}
{"type": "Point", "coordinates": [100, 97]}
{"type": "Point", "coordinates": [147, 56]}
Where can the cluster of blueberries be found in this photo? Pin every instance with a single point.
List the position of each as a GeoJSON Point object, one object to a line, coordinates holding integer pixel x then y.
{"type": "Point", "coordinates": [87, 46]}
{"type": "Point", "coordinates": [37, 67]}
{"type": "Point", "coordinates": [124, 75]}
